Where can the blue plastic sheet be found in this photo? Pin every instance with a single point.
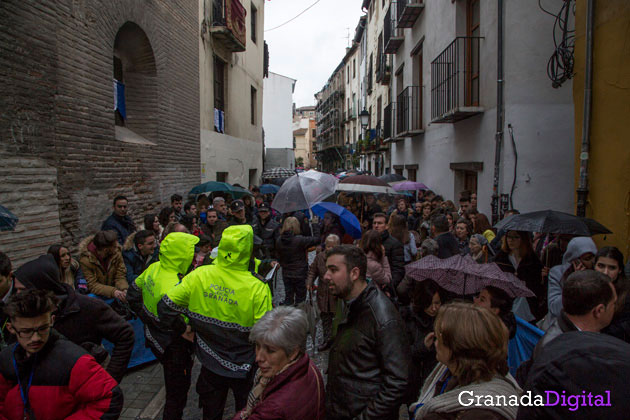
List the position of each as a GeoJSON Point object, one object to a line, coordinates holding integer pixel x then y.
{"type": "Point", "coordinates": [521, 346]}
{"type": "Point", "coordinates": [140, 354]}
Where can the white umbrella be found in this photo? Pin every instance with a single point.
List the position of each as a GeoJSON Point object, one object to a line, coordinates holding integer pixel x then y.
{"type": "Point", "coordinates": [303, 190]}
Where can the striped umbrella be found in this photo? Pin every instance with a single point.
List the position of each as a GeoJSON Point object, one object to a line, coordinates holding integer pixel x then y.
{"type": "Point", "coordinates": [462, 275]}
{"type": "Point", "coordinates": [278, 173]}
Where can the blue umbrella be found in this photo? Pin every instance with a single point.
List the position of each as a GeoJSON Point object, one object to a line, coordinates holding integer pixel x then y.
{"type": "Point", "coordinates": [8, 220]}
{"type": "Point", "coordinates": [213, 186]}
{"type": "Point", "coordinates": [348, 220]}
{"type": "Point", "coordinates": [269, 189]}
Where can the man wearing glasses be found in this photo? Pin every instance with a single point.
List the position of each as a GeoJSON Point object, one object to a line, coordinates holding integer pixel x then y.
{"type": "Point", "coordinates": [43, 375]}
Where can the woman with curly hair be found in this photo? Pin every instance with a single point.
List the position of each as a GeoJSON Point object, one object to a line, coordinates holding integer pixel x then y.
{"type": "Point", "coordinates": [471, 347]}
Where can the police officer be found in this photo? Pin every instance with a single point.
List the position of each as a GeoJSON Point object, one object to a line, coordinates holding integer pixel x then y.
{"type": "Point", "coordinates": [268, 230]}
{"type": "Point", "coordinates": [223, 301]}
{"type": "Point", "coordinates": [174, 349]}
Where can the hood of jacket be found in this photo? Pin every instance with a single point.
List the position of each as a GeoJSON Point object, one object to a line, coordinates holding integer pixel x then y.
{"type": "Point", "coordinates": [83, 245]}
{"type": "Point", "coordinates": [578, 247]}
{"type": "Point", "coordinates": [129, 245]}
{"type": "Point", "coordinates": [177, 251]}
{"type": "Point", "coordinates": [42, 273]}
{"type": "Point", "coordinates": [235, 248]}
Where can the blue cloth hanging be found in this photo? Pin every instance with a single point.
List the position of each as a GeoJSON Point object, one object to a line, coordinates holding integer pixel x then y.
{"type": "Point", "coordinates": [119, 99]}
{"type": "Point", "coordinates": [521, 346]}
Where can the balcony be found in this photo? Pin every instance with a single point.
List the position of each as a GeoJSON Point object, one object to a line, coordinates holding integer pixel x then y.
{"type": "Point", "coordinates": [229, 26]}
{"type": "Point", "coordinates": [408, 12]}
{"type": "Point", "coordinates": [409, 112]}
{"type": "Point", "coordinates": [383, 69]}
{"type": "Point", "coordinates": [455, 82]}
{"type": "Point", "coordinates": [389, 122]}
{"type": "Point", "coordinates": [393, 35]}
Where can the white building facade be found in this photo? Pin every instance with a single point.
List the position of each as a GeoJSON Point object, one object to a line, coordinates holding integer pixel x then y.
{"type": "Point", "coordinates": [232, 64]}
{"type": "Point", "coordinates": [444, 113]}
{"type": "Point", "coordinates": [278, 120]}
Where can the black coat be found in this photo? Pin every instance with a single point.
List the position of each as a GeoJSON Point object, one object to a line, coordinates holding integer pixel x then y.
{"type": "Point", "coordinates": [291, 250]}
{"type": "Point", "coordinates": [395, 256]}
{"type": "Point", "coordinates": [269, 232]}
{"type": "Point", "coordinates": [581, 361]}
{"type": "Point", "coordinates": [81, 319]}
{"type": "Point", "coordinates": [529, 270]}
{"type": "Point", "coordinates": [423, 360]}
{"type": "Point", "coordinates": [448, 245]}
{"type": "Point", "coordinates": [369, 360]}
{"type": "Point", "coordinates": [123, 226]}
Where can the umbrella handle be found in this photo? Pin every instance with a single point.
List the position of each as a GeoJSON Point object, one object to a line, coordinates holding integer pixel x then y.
{"type": "Point", "coordinates": [310, 223]}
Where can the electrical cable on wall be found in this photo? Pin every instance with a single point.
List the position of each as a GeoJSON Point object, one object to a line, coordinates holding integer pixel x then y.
{"type": "Point", "coordinates": [560, 64]}
{"type": "Point", "coordinates": [293, 18]}
{"type": "Point", "coordinates": [515, 164]}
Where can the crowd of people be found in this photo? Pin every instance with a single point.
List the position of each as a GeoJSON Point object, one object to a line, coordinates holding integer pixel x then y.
{"type": "Point", "coordinates": [198, 276]}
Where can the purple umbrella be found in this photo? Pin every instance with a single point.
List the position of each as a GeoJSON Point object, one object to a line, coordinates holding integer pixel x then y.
{"type": "Point", "coordinates": [409, 186]}
{"type": "Point", "coordinates": [462, 275]}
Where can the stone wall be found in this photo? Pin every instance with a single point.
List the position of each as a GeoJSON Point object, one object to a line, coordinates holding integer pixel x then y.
{"type": "Point", "coordinates": [56, 109]}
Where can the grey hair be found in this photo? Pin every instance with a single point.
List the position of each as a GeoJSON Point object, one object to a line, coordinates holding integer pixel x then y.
{"type": "Point", "coordinates": [429, 247]}
{"type": "Point", "coordinates": [284, 327]}
{"type": "Point", "coordinates": [218, 200]}
{"type": "Point", "coordinates": [332, 238]}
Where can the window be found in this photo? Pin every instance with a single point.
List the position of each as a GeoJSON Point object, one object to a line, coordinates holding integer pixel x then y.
{"type": "Point", "coordinates": [354, 68]}
{"type": "Point", "coordinates": [348, 73]}
{"type": "Point", "coordinates": [253, 105]}
{"type": "Point", "coordinates": [314, 133]}
{"type": "Point", "coordinates": [254, 17]}
{"type": "Point", "coordinates": [135, 84]}
{"type": "Point", "coordinates": [411, 175]}
{"type": "Point", "coordinates": [472, 30]}
{"type": "Point", "coordinates": [219, 84]}
{"type": "Point", "coordinates": [222, 176]}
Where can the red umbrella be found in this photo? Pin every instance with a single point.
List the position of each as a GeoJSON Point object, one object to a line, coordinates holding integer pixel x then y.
{"type": "Point", "coordinates": [462, 275]}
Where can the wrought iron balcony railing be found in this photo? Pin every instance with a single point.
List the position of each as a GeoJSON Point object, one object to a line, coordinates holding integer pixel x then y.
{"type": "Point", "coordinates": [455, 81]}
{"type": "Point", "coordinates": [408, 12]}
{"type": "Point", "coordinates": [409, 112]}
{"type": "Point", "coordinates": [392, 34]}
{"type": "Point", "coordinates": [229, 24]}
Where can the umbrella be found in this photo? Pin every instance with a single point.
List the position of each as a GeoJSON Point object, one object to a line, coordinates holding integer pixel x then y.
{"type": "Point", "coordinates": [277, 173]}
{"type": "Point", "coordinates": [269, 189]}
{"type": "Point", "coordinates": [462, 275]}
{"type": "Point", "coordinates": [365, 184]}
{"type": "Point", "coordinates": [303, 190]}
{"type": "Point", "coordinates": [348, 220]}
{"type": "Point", "coordinates": [214, 186]}
{"type": "Point", "coordinates": [8, 220]}
{"type": "Point", "coordinates": [550, 221]}
{"type": "Point", "coordinates": [409, 186]}
{"type": "Point", "coordinates": [392, 178]}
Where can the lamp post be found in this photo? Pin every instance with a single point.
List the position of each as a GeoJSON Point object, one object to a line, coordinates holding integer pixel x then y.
{"type": "Point", "coordinates": [365, 121]}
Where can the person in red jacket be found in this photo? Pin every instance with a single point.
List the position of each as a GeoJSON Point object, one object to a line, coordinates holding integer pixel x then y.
{"type": "Point", "coordinates": [46, 377]}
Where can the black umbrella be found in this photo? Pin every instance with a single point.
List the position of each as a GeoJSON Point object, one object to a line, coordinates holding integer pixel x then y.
{"type": "Point", "coordinates": [550, 221]}
{"type": "Point", "coordinates": [392, 178]}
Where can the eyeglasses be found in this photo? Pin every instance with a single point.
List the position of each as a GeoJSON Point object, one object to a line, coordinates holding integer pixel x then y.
{"type": "Point", "coordinates": [42, 331]}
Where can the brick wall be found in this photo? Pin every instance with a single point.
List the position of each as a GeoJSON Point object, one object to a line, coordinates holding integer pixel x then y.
{"type": "Point", "coordinates": [56, 100]}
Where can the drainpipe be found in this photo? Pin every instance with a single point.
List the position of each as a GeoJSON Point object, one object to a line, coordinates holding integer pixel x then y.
{"type": "Point", "coordinates": [500, 115]}
{"type": "Point", "coordinates": [582, 190]}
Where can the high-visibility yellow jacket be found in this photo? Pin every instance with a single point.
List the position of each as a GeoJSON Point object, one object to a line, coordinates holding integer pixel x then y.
{"type": "Point", "coordinates": [176, 254]}
{"type": "Point", "coordinates": [223, 301]}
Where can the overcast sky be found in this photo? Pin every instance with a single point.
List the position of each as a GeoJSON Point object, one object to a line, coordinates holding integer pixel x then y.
{"type": "Point", "coordinates": [310, 47]}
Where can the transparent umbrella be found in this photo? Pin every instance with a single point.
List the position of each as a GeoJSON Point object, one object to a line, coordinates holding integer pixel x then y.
{"type": "Point", "coordinates": [302, 191]}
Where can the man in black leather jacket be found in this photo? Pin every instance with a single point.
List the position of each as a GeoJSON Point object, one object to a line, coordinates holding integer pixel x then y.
{"type": "Point", "coordinates": [369, 359]}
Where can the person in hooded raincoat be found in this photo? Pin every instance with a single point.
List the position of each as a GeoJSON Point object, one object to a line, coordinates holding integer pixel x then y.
{"type": "Point", "coordinates": [172, 349]}
{"type": "Point", "coordinates": [223, 301]}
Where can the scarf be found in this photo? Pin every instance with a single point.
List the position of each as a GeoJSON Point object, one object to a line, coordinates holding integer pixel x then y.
{"type": "Point", "coordinates": [260, 384]}
{"type": "Point", "coordinates": [448, 402]}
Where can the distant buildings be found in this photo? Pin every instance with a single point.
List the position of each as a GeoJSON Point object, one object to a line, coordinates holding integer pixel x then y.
{"type": "Point", "coordinates": [278, 121]}
{"type": "Point", "coordinates": [305, 135]}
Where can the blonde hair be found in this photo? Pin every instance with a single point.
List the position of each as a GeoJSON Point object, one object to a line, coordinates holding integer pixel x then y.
{"type": "Point", "coordinates": [292, 225]}
{"type": "Point", "coordinates": [477, 339]}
